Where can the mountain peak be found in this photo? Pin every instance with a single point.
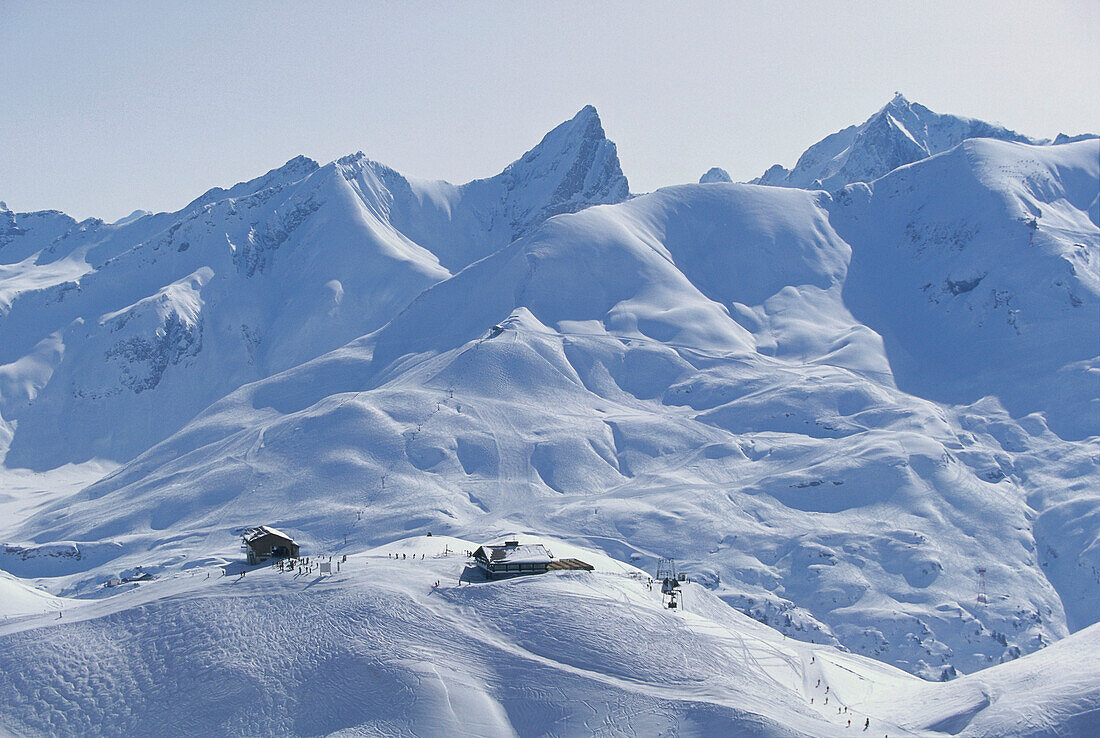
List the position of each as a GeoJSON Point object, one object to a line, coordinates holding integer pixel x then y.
{"type": "Point", "coordinates": [715, 174]}
{"type": "Point", "coordinates": [573, 167]}
{"type": "Point", "coordinates": [899, 101]}
{"type": "Point", "coordinates": [588, 111]}
{"type": "Point", "coordinates": [585, 126]}
{"type": "Point", "coordinates": [292, 171]}
{"type": "Point", "coordinates": [900, 132]}
{"type": "Point", "coordinates": [586, 122]}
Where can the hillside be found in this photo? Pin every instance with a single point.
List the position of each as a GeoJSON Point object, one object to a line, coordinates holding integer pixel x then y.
{"type": "Point", "coordinates": [677, 375]}
{"type": "Point", "coordinates": [148, 321]}
{"type": "Point", "coordinates": [865, 422]}
{"type": "Point", "coordinates": [377, 648]}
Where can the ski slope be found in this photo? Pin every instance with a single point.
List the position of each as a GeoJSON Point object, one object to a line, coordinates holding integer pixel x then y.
{"type": "Point", "coordinates": [377, 647]}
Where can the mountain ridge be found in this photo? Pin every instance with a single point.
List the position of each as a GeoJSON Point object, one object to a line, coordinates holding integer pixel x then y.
{"type": "Point", "coordinates": [257, 240]}
{"type": "Point", "coordinates": [899, 133]}
{"type": "Point", "coordinates": [681, 373]}
{"type": "Point", "coordinates": [831, 409]}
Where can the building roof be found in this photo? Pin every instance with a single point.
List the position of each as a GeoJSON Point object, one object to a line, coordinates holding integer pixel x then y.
{"type": "Point", "coordinates": [265, 530]}
{"type": "Point", "coordinates": [530, 553]}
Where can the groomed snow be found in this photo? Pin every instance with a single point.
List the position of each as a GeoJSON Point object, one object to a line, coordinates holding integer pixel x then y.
{"type": "Point", "coordinates": [378, 647]}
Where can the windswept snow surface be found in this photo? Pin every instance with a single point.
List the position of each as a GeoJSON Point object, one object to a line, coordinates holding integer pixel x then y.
{"type": "Point", "coordinates": [378, 648]}
{"type": "Point", "coordinates": [834, 411]}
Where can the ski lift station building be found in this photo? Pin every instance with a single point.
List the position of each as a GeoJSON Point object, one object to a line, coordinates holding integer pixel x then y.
{"type": "Point", "coordinates": [265, 543]}
{"type": "Point", "coordinates": [513, 559]}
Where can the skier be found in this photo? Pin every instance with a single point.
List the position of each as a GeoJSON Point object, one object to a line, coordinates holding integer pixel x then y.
{"type": "Point", "coordinates": [867, 723]}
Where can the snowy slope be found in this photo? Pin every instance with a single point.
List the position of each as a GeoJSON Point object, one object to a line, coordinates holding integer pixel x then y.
{"type": "Point", "coordinates": [376, 648]}
{"type": "Point", "coordinates": [832, 410]}
{"type": "Point", "coordinates": [675, 375]}
{"type": "Point", "coordinates": [149, 320]}
{"type": "Point", "coordinates": [170, 315]}
{"type": "Point", "coordinates": [994, 287]}
{"type": "Point", "coordinates": [900, 133]}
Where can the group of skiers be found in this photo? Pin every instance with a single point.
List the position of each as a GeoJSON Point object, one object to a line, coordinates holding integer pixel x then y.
{"type": "Point", "coordinates": [305, 565]}
{"type": "Point", "coordinates": [840, 710]}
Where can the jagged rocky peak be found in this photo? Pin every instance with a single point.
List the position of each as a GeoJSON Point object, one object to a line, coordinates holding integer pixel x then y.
{"type": "Point", "coordinates": [362, 167]}
{"type": "Point", "coordinates": [294, 170]}
{"type": "Point", "coordinates": [573, 167]}
{"type": "Point", "coordinates": [715, 174]}
{"type": "Point", "coordinates": [899, 133]}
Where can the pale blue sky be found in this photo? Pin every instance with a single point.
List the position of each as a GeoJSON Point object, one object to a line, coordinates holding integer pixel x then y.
{"type": "Point", "coordinates": [109, 107]}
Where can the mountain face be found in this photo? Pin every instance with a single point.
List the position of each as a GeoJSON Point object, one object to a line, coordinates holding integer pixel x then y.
{"type": "Point", "coordinates": [572, 168]}
{"type": "Point", "coordinates": [149, 320]}
{"type": "Point", "coordinates": [900, 133]}
{"type": "Point", "coordinates": [833, 410]}
{"type": "Point", "coordinates": [731, 375]}
{"type": "Point", "coordinates": [994, 283]}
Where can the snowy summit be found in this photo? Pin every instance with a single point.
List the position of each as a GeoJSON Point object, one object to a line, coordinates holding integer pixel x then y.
{"type": "Point", "coordinates": [853, 403]}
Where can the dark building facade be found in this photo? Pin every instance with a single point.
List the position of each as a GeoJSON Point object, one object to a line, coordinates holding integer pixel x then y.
{"type": "Point", "coordinates": [265, 543]}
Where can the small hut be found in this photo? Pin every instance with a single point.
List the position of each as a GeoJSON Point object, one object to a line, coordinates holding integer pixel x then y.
{"type": "Point", "coordinates": [266, 543]}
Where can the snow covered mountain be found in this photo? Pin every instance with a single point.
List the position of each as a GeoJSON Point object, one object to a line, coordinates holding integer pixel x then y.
{"type": "Point", "coordinates": [681, 373]}
{"type": "Point", "coordinates": [715, 174]}
{"type": "Point", "coordinates": [993, 280]}
{"type": "Point", "coordinates": [834, 411]}
{"type": "Point", "coordinates": [900, 133]}
{"type": "Point", "coordinates": [149, 320]}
